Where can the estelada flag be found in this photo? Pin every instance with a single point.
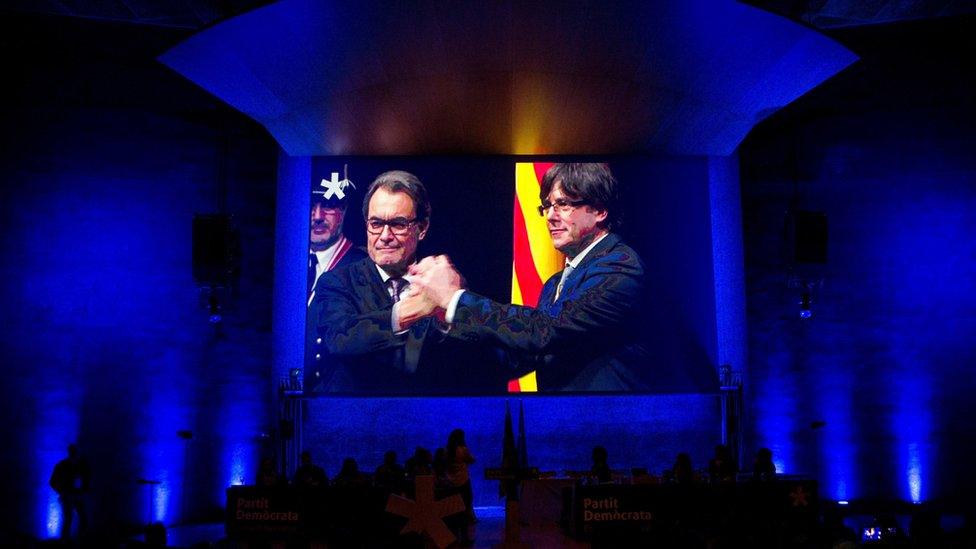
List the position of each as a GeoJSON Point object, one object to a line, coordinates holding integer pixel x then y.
{"type": "Point", "coordinates": [510, 458]}
{"type": "Point", "coordinates": [534, 259]}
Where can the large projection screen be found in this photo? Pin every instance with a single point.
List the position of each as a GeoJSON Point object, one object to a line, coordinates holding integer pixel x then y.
{"type": "Point", "coordinates": [659, 338]}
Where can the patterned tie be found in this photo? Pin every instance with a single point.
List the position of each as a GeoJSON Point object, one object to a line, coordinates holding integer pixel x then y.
{"type": "Point", "coordinates": [562, 280]}
{"type": "Point", "coordinates": [396, 284]}
{"type": "Point", "coordinates": [399, 359]}
{"type": "Point", "coordinates": [313, 262]}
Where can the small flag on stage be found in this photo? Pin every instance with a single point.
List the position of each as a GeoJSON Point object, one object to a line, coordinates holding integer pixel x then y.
{"type": "Point", "coordinates": [523, 451]}
{"type": "Point", "coordinates": [510, 458]}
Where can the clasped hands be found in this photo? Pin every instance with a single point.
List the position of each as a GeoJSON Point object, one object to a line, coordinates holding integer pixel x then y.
{"type": "Point", "coordinates": [433, 283]}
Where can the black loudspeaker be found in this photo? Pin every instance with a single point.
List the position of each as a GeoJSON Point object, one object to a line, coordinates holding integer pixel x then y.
{"type": "Point", "coordinates": [807, 236]}
{"type": "Point", "coordinates": [214, 245]}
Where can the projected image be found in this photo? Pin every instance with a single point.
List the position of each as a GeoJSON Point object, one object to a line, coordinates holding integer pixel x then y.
{"type": "Point", "coordinates": [425, 280]}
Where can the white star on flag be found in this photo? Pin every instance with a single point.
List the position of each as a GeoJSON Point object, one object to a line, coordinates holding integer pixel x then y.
{"type": "Point", "coordinates": [425, 515]}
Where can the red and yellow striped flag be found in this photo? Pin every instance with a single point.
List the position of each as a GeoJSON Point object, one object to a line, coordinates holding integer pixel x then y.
{"type": "Point", "coordinates": [534, 259]}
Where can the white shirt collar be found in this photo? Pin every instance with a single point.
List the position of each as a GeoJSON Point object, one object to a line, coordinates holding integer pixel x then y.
{"type": "Point", "coordinates": [324, 257]}
{"type": "Point", "coordinates": [582, 255]}
{"type": "Point", "coordinates": [386, 276]}
{"type": "Point", "coordinates": [383, 274]}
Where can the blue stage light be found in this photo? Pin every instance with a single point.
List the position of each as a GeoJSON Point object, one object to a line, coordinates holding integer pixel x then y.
{"type": "Point", "coordinates": [53, 516]}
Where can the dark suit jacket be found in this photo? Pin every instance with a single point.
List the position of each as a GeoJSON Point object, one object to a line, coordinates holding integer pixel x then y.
{"type": "Point", "coordinates": [313, 366]}
{"type": "Point", "coordinates": [587, 340]}
{"type": "Point", "coordinates": [355, 343]}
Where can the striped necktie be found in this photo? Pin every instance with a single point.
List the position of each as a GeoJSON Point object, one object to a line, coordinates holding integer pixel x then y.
{"type": "Point", "coordinates": [562, 280]}
{"type": "Point", "coordinates": [396, 284]}
{"type": "Point", "coordinates": [399, 358]}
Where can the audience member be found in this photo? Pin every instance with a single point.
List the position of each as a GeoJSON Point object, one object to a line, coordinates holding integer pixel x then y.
{"type": "Point", "coordinates": [600, 469]}
{"type": "Point", "coordinates": [458, 460]}
{"type": "Point", "coordinates": [722, 467]}
{"type": "Point", "coordinates": [763, 467]}
{"type": "Point", "coordinates": [682, 472]}
{"type": "Point", "coordinates": [390, 474]}
{"type": "Point", "coordinates": [420, 463]}
{"type": "Point", "coordinates": [888, 530]}
{"type": "Point", "coordinates": [309, 474]}
{"type": "Point", "coordinates": [349, 475]}
{"type": "Point", "coordinates": [268, 474]}
{"type": "Point", "coordinates": [439, 466]}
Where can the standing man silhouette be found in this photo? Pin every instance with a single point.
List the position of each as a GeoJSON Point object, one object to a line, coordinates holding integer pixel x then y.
{"type": "Point", "coordinates": [70, 480]}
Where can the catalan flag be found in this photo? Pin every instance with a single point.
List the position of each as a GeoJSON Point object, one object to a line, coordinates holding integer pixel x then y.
{"type": "Point", "coordinates": [534, 258]}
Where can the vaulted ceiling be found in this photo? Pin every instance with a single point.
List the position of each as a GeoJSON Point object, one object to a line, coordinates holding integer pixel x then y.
{"type": "Point", "coordinates": [690, 77]}
{"type": "Point", "coordinates": [373, 77]}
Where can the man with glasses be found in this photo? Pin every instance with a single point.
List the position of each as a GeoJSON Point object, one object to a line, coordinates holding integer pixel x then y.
{"type": "Point", "coordinates": [369, 338]}
{"type": "Point", "coordinates": [328, 248]}
{"type": "Point", "coordinates": [585, 333]}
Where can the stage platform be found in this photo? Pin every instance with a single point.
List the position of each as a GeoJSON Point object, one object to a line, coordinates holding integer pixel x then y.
{"type": "Point", "coordinates": [638, 431]}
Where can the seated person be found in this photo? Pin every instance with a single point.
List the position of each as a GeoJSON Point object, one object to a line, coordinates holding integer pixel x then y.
{"type": "Point", "coordinates": [308, 473]}
{"type": "Point", "coordinates": [600, 469]}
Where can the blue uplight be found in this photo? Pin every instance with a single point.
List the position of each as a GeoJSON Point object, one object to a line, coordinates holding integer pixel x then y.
{"type": "Point", "coordinates": [912, 429]}
{"type": "Point", "coordinates": [163, 453]}
{"type": "Point", "coordinates": [914, 473]}
{"type": "Point", "coordinates": [53, 516]}
{"type": "Point", "coordinates": [775, 402]}
{"type": "Point", "coordinates": [838, 437]}
{"type": "Point", "coordinates": [56, 426]}
{"type": "Point", "coordinates": [239, 424]}
{"type": "Point", "coordinates": [239, 457]}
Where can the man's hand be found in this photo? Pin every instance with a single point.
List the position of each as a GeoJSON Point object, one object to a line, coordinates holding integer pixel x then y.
{"type": "Point", "coordinates": [414, 306]}
{"type": "Point", "coordinates": [436, 277]}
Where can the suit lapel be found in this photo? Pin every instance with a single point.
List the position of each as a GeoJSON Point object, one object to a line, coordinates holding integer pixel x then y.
{"type": "Point", "coordinates": [572, 281]}
{"type": "Point", "coordinates": [376, 292]}
{"type": "Point", "coordinates": [370, 284]}
{"type": "Point", "coordinates": [548, 292]}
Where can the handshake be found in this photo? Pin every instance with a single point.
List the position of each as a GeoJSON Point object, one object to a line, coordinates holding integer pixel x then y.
{"type": "Point", "coordinates": [433, 283]}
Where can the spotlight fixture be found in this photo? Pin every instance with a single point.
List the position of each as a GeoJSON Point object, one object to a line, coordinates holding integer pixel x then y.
{"type": "Point", "coordinates": [213, 305]}
{"type": "Point", "coordinates": [805, 311]}
{"type": "Point", "coordinates": [808, 286]}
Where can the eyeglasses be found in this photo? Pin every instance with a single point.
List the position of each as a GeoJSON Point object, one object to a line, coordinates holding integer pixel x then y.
{"type": "Point", "coordinates": [398, 225]}
{"type": "Point", "coordinates": [562, 206]}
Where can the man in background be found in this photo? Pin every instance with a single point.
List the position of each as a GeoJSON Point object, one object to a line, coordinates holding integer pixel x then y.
{"type": "Point", "coordinates": [328, 249]}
